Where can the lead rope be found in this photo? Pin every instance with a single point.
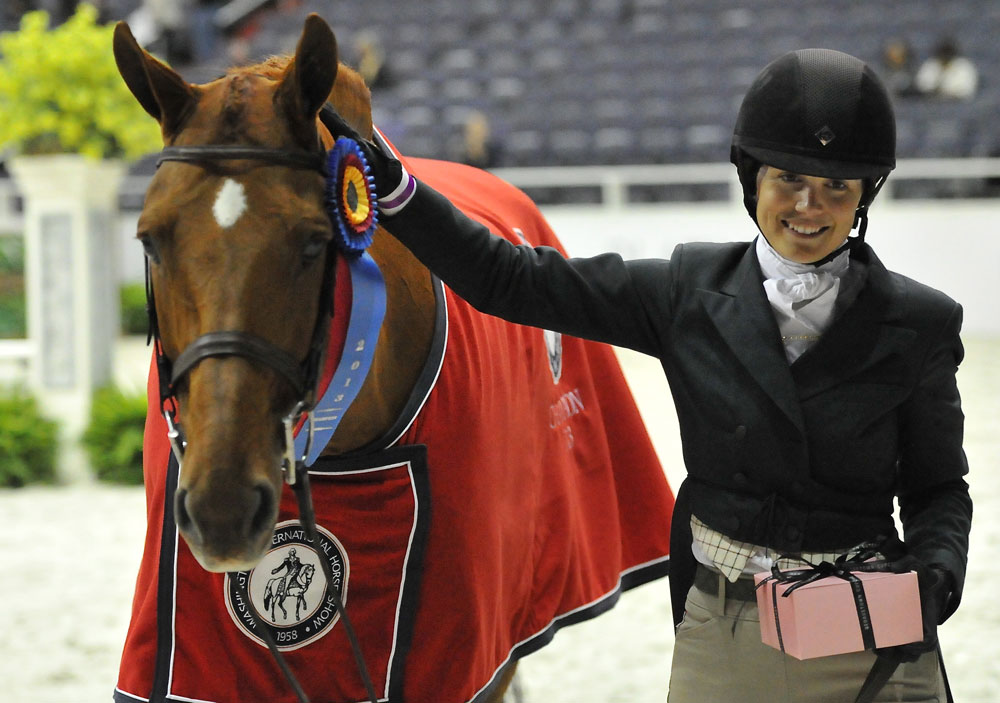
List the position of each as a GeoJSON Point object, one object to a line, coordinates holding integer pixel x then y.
{"type": "Point", "coordinates": [307, 518]}
{"type": "Point", "coordinates": [297, 477]}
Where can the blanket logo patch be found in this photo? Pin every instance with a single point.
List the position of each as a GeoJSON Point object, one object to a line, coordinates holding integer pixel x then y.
{"type": "Point", "coordinates": [287, 592]}
{"type": "Point", "coordinates": [553, 345]}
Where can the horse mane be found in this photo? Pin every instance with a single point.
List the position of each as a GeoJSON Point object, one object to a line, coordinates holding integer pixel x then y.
{"type": "Point", "coordinates": [350, 96]}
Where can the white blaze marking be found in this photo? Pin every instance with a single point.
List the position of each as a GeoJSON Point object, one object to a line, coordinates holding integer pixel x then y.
{"type": "Point", "coordinates": [230, 203]}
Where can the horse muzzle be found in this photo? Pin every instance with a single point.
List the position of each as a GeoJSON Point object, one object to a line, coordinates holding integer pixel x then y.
{"type": "Point", "coordinates": [227, 530]}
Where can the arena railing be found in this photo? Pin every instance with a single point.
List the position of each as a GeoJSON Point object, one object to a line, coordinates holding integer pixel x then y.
{"type": "Point", "coordinates": [615, 186]}
{"type": "Point", "coordinates": [607, 189]}
{"type": "Point", "coordinates": [619, 185]}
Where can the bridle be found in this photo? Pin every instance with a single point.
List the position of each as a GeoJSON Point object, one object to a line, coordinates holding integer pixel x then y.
{"type": "Point", "coordinates": [302, 375]}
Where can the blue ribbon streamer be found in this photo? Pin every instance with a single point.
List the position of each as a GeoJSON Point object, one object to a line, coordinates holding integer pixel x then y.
{"type": "Point", "coordinates": [367, 313]}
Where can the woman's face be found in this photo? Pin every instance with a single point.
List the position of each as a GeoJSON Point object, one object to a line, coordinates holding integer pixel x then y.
{"type": "Point", "coordinates": [805, 218]}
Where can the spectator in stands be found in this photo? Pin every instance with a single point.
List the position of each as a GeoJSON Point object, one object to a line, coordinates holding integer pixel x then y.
{"type": "Point", "coordinates": [11, 11]}
{"type": "Point", "coordinates": [478, 148]}
{"type": "Point", "coordinates": [241, 22]}
{"type": "Point", "coordinates": [205, 40]}
{"type": "Point", "coordinates": [171, 20]}
{"type": "Point", "coordinates": [947, 74]}
{"type": "Point", "coordinates": [371, 62]}
{"type": "Point", "coordinates": [812, 385]}
{"type": "Point", "coordinates": [897, 68]}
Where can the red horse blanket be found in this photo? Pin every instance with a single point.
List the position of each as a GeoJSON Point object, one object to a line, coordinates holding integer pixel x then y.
{"type": "Point", "coordinates": [518, 493]}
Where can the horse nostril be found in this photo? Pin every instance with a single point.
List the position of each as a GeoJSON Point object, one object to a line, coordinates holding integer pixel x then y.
{"type": "Point", "coordinates": [181, 514]}
{"type": "Point", "coordinates": [263, 516]}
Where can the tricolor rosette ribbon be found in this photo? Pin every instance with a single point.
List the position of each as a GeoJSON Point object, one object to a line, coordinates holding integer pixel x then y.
{"type": "Point", "coordinates": [350, 196]}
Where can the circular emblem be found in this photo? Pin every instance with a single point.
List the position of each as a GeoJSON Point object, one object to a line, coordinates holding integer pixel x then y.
{"type": "Point", "coordinates": [350, 194]}
{"type": "Point", "coordinates": [553, 345]}
{"type": "Point", "coordinates": [287, 591]}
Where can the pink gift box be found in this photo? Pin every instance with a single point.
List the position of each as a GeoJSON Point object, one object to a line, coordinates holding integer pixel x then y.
{"type": "Point", "coordinates": [821, 618]}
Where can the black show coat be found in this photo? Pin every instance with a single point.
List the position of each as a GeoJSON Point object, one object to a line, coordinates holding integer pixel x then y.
{"type": "Point", "coordinates": [800, 457]}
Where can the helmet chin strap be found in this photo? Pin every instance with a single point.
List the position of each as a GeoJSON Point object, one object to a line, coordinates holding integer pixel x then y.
{"type": "Point", "coordinates": [861, 216]}
{"type": "Point", "coordinates": [861, 223]}
{"type": "Point", "coordinates": [846, 246]}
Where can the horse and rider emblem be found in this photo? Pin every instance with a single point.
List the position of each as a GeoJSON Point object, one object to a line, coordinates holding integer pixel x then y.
{"type": "Point", "coordinates": [288, 591]}
{"type": "Point", "coordinates": [553, 345]}
{"type": "Point", "coordinates": [293, 584]}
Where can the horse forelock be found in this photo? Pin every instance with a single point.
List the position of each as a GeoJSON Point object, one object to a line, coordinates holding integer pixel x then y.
{"type": "Point", "coordinates": [234, 105]}
{"type": "Point", "coordinates": [272, 67]}
{"type": "Point", "coordinates": [226, 110]}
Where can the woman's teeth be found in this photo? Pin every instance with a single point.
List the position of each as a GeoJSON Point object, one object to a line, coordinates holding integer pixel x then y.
{"type": "Point", "coordinates": [802, 229]}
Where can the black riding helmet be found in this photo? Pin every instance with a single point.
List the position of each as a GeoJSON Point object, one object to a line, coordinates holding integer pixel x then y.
{"type": "Point", "coordinates": [817, 112]}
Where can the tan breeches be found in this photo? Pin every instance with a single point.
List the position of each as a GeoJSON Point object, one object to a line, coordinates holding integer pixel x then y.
{"type": "Point", "coordinates": [719, 658]}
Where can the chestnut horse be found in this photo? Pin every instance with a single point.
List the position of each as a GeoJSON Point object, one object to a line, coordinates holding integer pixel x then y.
{"type": "Point", "coordinates": [541, 514]}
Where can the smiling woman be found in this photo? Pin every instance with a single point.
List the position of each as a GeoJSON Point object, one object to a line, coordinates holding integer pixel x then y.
{"type": "Point", "coordinates": [805, 218]}
{"type": "Point", "coordinates": [812, 385]}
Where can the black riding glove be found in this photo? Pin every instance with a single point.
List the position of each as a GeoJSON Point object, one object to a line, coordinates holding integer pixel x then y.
{"type": "Point", "coordinates": [935, 588]}
{"type": "Point", "coordinates": [393, 185]}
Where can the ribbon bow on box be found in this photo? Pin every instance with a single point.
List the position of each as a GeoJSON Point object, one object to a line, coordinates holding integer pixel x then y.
{"type": "Point", "coordinates": [843, 567]}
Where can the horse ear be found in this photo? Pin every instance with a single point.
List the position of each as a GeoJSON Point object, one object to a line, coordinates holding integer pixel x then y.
{"type": "Point", "coordinates": [160, 90]}
{"type": "Point", "coordinates": [309, 78]}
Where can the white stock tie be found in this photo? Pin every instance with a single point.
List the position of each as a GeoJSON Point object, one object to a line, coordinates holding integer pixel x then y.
{"type": "Point", "coordinates": [802, 296]}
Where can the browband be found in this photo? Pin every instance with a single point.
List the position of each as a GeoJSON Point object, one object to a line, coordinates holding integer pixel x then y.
{"type": "Point", "coordinates": [315, 161]}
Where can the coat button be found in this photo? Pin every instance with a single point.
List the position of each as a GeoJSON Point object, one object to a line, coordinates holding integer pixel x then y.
{"type": "Point", "coordinates": [793, 533]}
{"type": "Point", "coordinates": [740, 479]}
{"type": "Point", "coordinates": [740, 432]}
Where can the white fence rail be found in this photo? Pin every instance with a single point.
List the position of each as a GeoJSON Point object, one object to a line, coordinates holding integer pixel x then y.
{"type": "Point", "coordinates": [612, 183]}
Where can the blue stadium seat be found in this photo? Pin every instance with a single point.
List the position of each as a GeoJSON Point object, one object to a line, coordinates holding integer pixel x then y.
{"type": "Point", "coordinates": [602, 81]}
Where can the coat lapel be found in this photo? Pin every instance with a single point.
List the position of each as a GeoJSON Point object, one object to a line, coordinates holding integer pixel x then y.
{"type": "Point", "coordinates": [742, 315]}
{"type": "Point", "coordinates": [862, 336]}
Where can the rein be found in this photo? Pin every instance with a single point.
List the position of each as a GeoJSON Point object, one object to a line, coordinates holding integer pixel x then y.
{"type": "Point", "coordinates": [303, 376]}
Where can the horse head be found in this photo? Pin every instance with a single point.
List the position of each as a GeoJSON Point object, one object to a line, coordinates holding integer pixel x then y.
{"type": "Point", "coordinates": [239, 245]}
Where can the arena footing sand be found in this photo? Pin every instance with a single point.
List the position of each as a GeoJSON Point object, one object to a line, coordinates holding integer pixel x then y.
{"type": "Point", "coordinates": [70, 556]}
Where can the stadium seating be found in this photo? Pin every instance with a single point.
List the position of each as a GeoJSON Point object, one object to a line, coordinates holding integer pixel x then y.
{"type": "Point", "coordinates": [645, 81]}
{"type": "Point", "coordinates": [628, 81]}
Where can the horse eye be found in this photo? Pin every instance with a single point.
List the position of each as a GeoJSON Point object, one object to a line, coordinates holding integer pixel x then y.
{"type": "Point", "coordinates": [314, 247]}
{"type": "Point", "coordinates": [149, 248]}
